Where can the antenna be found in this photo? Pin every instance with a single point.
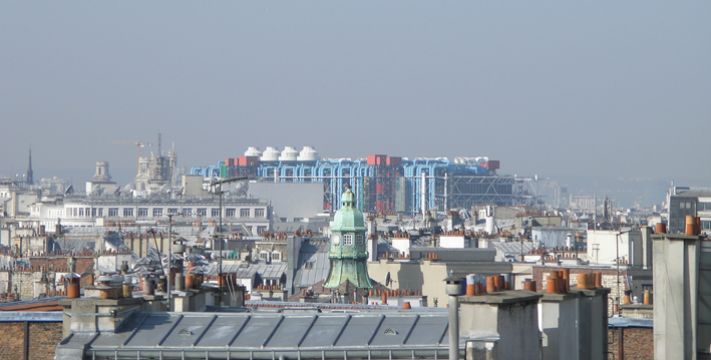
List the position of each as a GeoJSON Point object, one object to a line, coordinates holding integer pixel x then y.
{"type": "Point", "coordinates": [160, 152]}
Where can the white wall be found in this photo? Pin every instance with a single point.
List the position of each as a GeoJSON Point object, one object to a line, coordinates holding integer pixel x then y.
{"type": "Point", "coordinates": [402, 245]}
{"type": "Point", "coordinates": [455, 242]}
{"type": "Point", "coordinates": [602, 248]}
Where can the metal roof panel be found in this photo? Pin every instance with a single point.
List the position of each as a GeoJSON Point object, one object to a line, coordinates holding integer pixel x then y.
{"type": "Point", "coordinates": [291, 331]}
{"type": "Point", "coordinates": [223, 330]}
{"type": "Point", "coordinates": [394, 330]}
{"type": "Point", "coordinates": [257, 332]}
{"type": "Point", "coordinates": [360, 330]}
{"type": "Point", "coordinates": [325, 331]}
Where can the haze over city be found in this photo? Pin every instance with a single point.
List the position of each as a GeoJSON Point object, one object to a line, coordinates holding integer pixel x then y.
{"type": "Point", "coordinates": [583, 93]}
{"type": "Point", "coordinates": [521, 180]}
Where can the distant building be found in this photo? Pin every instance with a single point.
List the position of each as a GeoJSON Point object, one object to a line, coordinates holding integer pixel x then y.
{"type": "Point", "coordinates": [586, 203]}
{"type": "Point", "coordinates": [252, 215]}
{"type": "Point", "coordinates": [628, 246]}
{"type": "Point", "coordinates": [381, 183]}
{"type": "Point", "coordinates": [553, 237]}
{"type": "Point", "coordinates": [155, 173]}
{"type": "Point", "coordinates": [101, 183]}
{"type": "Point", "coordinates": [685, 201]}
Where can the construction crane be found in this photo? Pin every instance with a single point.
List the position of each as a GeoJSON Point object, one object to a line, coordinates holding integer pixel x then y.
{"type": "Point", "coordinates": [137, 143]}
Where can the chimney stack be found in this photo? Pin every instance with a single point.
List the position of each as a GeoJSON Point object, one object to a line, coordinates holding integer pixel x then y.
{"type": "Point", "coordinates": [690, 225]}
{"type": "Point", "coordinates": [453, 291]}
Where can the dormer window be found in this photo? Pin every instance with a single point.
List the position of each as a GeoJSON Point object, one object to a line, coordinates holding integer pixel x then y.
{"type": "Point", "coordinates": [348, 239]}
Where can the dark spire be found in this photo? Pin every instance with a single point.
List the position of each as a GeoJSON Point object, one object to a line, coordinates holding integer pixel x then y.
{"type": "Point", "coordinates": [29, 178]}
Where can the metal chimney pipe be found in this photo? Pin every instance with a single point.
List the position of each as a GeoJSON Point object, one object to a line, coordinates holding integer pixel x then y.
{"type": "Point", "coordinates": [453, 291]}
{"type": "Point", "coordinates": [423, 194]}
{"type": "Point", "coordinates": [690, 225]}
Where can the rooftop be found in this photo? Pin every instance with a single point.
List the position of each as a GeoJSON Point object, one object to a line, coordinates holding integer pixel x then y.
{"type": "Point", "coordinates": [264, 335]}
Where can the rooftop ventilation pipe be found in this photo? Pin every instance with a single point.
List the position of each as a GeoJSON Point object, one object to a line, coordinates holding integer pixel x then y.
{"type": "Point", "coordinates": [453, 291]}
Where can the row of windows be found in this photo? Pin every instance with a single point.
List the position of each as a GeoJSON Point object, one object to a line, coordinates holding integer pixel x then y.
{"type": "Point", "coordinates": [267, 256]}
{"type": "Point", "coordinates": [703, 206]}
{"type": "Point", "coordinates": [706, 225]}
{"type": "Point", "coordinates": [685, 205]}
{"type": "Point", "coordinates": [158, 212]}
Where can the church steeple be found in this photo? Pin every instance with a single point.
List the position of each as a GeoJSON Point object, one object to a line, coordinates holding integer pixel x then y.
{"type": "Point", "coordinates": [29, 176]}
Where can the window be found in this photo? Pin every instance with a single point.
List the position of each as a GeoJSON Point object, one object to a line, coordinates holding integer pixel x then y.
{"type": "Point", "coordinates": [215, 212]}
{"type": "Point", "coordinates": [101, 212]}
{"type": "Point", "coordinates": [261, 230]}
{"type": "Point", "coordinates": [264, 256]}
{"type": "Point", "coordinates": [127, 212]}
{"type": "Point", "coordinates": [187, 212]}
{"type": "Point", "coordinates": [243, 213]}
{"type": "Point", "coordinates": [81, 211]}
{"type": "Point", "coordinates": [276, 256]}
{"type": "Point", "coordinates": [230, 212]}
{"type": "Point", "coordinates": [703, 206]}
{"type": "Point", "coordinates": [259, 213]}
{"type": "Point", "coordinates": [201, 212]}
{"type": "Point", "coordinates": [172, 211]}
{"type": "Point", "coordinates": [157, 212]}
{"type": "Point", "coordinates": [142, 212]}
{"type": "Point", "coordinates": [706, 224]}
{"type": "Point", "coordinates": [113, 212]}
{"type": "Point", "coordinates": [360, 241]}
{"type": "Point", "coordinates": [93, 212]}
{"type": "Point", "coordinates": [348, 239]}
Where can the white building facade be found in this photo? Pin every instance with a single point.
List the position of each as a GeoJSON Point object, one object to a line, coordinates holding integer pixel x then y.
{"type": "Point", "coordinates": [253, 214]}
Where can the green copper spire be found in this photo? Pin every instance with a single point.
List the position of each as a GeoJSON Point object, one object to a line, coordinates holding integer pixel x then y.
{"type": "Point", "coordinates": [348, 248]}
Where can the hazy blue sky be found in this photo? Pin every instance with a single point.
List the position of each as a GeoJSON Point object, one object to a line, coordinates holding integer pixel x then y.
{"type": "Point", "coordinates": [567, 89]}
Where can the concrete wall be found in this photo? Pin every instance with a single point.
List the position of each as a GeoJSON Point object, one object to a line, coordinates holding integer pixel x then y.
{"type": "Point", "coordinates": [559, 323]}
{"type": "Point", "coordinates": [456, 242]}
{"type": "Point", "coordinates": [676, 260]}
{"type": "Point", "coordinates": [510, 319]}
{"type": "Point", "coordinates": [552, 237]}
{"type": "Point", "coordinates": [290, 200]}
{"type": "Point", "coordinates": [423, 276]}
{"type": "Point", "coordinates": [602, 248]}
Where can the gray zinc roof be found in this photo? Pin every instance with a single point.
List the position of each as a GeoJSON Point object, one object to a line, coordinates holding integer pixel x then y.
{"type": "Point", "coordinates": [315, 254]}
{"type": "Point", "coordinates": [265, 271]}
{"type": "Point", "coordinates": [250, 335]}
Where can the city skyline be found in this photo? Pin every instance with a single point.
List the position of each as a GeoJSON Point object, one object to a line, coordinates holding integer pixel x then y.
{"type": "Point", "coordinates": [562, 91]}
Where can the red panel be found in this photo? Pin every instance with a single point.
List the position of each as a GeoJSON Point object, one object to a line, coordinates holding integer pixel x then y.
{"type": "Point", "coordinates": [372, 159]}
{"type": "Point", "coordinates": [493, 164]}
